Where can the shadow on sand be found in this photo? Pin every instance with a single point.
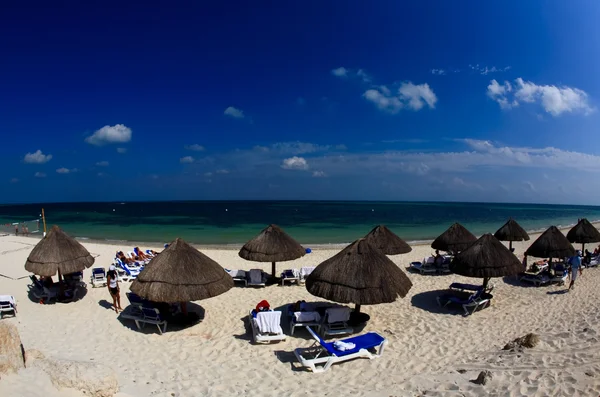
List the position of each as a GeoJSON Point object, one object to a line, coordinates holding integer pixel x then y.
{"type": "Point", "coordinates": [176, 322]}
{"type": "Point", "coordinates": [428, 301]}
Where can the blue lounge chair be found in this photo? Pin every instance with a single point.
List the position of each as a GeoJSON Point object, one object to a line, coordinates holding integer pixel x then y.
{"type": "Point", "coordinates": [325, 354]}
{"type": "Point", "coordinates": [472, 302]}
{"type": "Point", "coordinates": [98, 276]}
{"type": "Point", "coordinates": [291, 275]}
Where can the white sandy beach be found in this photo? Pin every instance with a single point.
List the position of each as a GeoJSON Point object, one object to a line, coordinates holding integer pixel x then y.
{"type": "Point", "coordinates": [427, 345]}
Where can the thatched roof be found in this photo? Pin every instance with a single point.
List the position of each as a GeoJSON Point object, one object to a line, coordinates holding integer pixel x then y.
{"type": "Point", "coordinates": [551, 244]}
{"type": "Point", "coordinates": [511, 231]}
{"type": "Point", "coordinates": [383, 238]}
{"type": "Point", "coordinates": [58, 252]}
{"type": "Point", "coordinates": [584, 232]}
{"type": "Point", "coordinates": [457, 238]}
{"type": "Point", "coordinates": [181, 273]}
{"type": "Point", "coordinates": [272, 245]}
{"type": "Point", "coordinates": [486, 258]}
{"type": "Point", "coordinates": [359, 274]}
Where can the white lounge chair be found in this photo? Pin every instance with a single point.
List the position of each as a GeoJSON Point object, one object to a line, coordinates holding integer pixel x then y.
{"type": "Point", "coordinates": [335, 321]}
{"type": "Point", "coordinates": [256, 278]}
{"type": "Point", "coordinates": [291, 275]}
{"type": "Point", "coordinates": [8, 304]}
{"type": "Point", "coordinates": [238, 276]}
{"type": "Point", "coordinates": [151, 315]}
{"type": "Point", "coordinates": [131, 271]}
{"type": "Point", "coordinates": [98, 277]}
{"type": "Point", "coordinates": [306, 318]}
{"type": "Point", "coordinates": [322, 355]}
{"type": "Point", "coordinates": [305, 272]}
{"type": "Point", "coordinates": [266, 326]}
{"type": "Point", "coordinates": [425, 267]}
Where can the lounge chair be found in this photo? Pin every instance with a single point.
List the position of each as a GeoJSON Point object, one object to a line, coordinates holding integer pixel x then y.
{"type": "Point", "coordinates": [256, 278]}
{"type": "Point", "coordinates": [471, 302]}
{"type": "Point", "coordinates": [266, 326]}
{"type": "Point", "coordinates": [594, 261]}
{"type": "Point", "coordinates": [291, 275]}
{"type": "Point", "coordinates": [43, 294]}
{"type": "Point", "coordinates": [445, 268]}
{"type": "Point", "coordinates": [151, 315]}
{"type": "Point", "coordinates": [335, 321]}
{"type": "Point", "coordinates": [305, 272]}
{"type": "Point", "coordinates": [98, 276]}
{"type": "Point", "coordinates": [306, 318]}
{"type": "Point", "coordinates": [322, 355]}
{"type": "Point", "coordinates": [238, 276]}
{"type": "Point", "coordinates": [130, 271]}
{"type": "Point", "coordinates": [8, 304]}
{"type": "Point", "coordinates": [425, 267]}
{"type": "Point", "coordinates": [537, 279]}
{"type": "Point", "coordinates": [73, 277]}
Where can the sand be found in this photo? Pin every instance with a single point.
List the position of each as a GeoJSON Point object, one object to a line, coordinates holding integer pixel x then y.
{"type": "Point", "coordinates": [431, 351]}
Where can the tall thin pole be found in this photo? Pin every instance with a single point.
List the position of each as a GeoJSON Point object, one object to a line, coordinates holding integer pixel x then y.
{"type": "Point", "coordinates": [44, 220]}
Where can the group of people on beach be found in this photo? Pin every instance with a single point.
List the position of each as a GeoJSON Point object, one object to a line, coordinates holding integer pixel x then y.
{"type": "Point", "coordinates": [574, 264]}
{"type": "Point", "coordinates": [112, 279]}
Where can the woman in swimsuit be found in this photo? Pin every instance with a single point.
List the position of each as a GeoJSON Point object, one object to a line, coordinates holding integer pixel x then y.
{"type": "Point", "coordinates": [113, 287]}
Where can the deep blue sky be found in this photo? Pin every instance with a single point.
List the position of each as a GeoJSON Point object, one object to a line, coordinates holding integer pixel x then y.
{"type": "Point", "coordinates": [428, 100]}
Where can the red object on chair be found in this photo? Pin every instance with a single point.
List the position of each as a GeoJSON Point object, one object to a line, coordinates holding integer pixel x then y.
{"type": "Point", "coordinates": [263, 306]}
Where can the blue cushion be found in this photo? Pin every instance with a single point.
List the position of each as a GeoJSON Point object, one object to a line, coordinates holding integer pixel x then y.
{"type": "Point", "coordinates": [365, 341]}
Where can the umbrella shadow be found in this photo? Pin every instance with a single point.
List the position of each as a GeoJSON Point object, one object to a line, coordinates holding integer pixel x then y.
{"type": "Point", "coordinates": [81, 292]}
{"type": "Point", "coordinates": [176, 322]}
{"type": "Point", "coordinates": [428, 301]}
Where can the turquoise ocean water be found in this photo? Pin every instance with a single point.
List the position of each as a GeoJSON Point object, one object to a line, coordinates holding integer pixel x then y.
{"type": "Point", "coordinates": [310, 222]}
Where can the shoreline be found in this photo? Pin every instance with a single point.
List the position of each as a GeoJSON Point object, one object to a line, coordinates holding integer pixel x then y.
{"type": "Point", "coordinates": [237, 246]}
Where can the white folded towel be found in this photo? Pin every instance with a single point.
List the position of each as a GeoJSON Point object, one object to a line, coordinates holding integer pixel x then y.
{"type": "Point", "coordinates": [307, 317]}
{"type": "Point", "coordinates": [343, 346]}
{"type": "Point", "coordinates": [269, 322]}
{"type": "Point", "coordinates": [305, 271]}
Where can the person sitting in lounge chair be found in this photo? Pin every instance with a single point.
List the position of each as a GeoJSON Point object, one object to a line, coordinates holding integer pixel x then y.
{"type": "Point", "coordinates": [140, 254]}
{"type": "Point", "coordinates": [438, 260]}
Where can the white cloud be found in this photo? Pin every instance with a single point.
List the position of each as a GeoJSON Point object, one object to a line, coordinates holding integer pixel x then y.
{"type": "Point", "coordinates": [417, 95]}
{"type": "Point", "coordinates": [39, 175]}
{"type": "Point", "coordinates": [234, 112]}
{"type": "Point", "coordinates": [102, 163]}
{"type": "Point", "coordinates": [14, 180]}
{"type": "Point", "coordinates": [319, 174]}
{"type": "Point", "coordinates": [101, 174]}
{"type": "Point", "coordinates": [208, 174]}
{"type": "Point", "coordinates": [222, 171]}
{"type": "Point", "coordinates": [484, 70]}
{"type": "Point", "coordinates": [530, 186]}
{"type": "Point", "coordinates": [37, 157]}
{"type": "Point", "coordinates": [64, 170]}
{"type": "Point", "coordinates": [340, 72]}
{"type": "Point", "coordinates": [343, 72]}
{"type": "Point", "coordinates": [439, 72]}
{"type": "Point", "coordinates": [186, 160]}
{"type": "Point", "coordinates": [195, 147]}
{"type": "Point", "coordinates": [363, 75]}
{"type": "Point", "coordinates": [554, 100]}
{"type": "Point", "coordinates": [121, 150]}
{"type": "Point", "coordinates": [117, 133]}
{"type": "Point", "coordinates": [409, 95]}
{"type": "Point", "coordinates": [295, 163]}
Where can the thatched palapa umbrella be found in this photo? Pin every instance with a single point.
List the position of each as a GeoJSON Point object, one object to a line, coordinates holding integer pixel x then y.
{"type": "Point", "coordinates": [390, 244]}
{"type": "Point", "coordinates": [272, 245]}
{"type": "Point", "coordinates": [551, 244]}
{"type": "Point", "coordinates": [486, 258]}
{"type": "Point", "coordinates": [455, 239]}
{"type": "Point", "coordinates": [58, 253]}
{"type": "Point", "coordinates": [359, 274]}
{"type": "Point", "coordinates": [584, 232]}
{"type": "Point", "coordinates": [511, 231]}
{"type": "Point", "coordinates": [181, 273]}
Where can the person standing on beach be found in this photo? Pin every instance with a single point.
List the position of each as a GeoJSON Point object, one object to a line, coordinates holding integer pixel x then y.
{"type": "Point", "coordinates": [113, 287]}
{"type": "Point", "coordinates": [575, 263]}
